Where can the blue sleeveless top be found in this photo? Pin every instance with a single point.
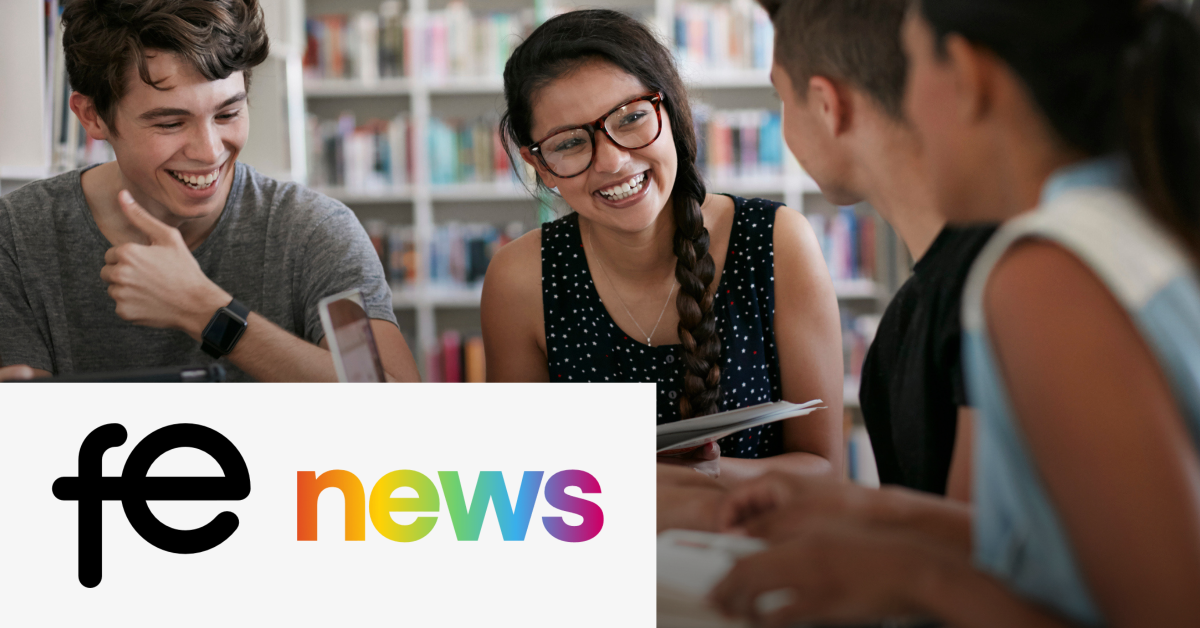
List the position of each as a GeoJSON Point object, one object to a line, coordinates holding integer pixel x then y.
{"type": "Point", "coordinates": [584, 343]}
{"type": "Point", "coordinates": [1089, 210]}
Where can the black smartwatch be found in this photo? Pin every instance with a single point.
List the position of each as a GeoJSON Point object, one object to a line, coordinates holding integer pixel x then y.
{"type": "Point", "coordinates": [225, 329]}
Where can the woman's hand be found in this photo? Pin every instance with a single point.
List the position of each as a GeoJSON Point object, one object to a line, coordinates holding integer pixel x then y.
{"type": "Point", "coordinates": [687, 499]}
{"type": "Point", "coordinates": [832, 569]}
{"type": "Point", "coordinates": [705, 459]}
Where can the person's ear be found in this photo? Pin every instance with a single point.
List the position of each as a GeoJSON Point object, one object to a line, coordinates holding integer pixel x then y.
{"type": "Point", "coordinates": [543, 173]}
{"type": "Point", "coordinates": [85, 109]}
{"type": "Point", "coordinates": [973, 70]}
{"type": "Point", "coordinates": [829, 103]}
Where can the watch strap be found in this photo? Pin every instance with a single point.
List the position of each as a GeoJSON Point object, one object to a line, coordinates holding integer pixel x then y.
{"type": "Point", "coordinates": [242, 311]}
{"type": "Point", "coordinates": [235, 308]}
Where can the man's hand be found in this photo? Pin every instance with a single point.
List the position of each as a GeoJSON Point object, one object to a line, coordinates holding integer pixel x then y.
{"type": "Point", "coordinates": [776, 504]}
{"type": "Point", "coordinates": [705, 459]}
{"type": "Point", "coordinates": [832, 571]}
{"type": "Point", "coordinates": [159, 284]}
{"type": "Point", "coordinates": [15, 372]}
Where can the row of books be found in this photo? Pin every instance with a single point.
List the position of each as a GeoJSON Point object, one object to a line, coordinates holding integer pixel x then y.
{"type": "Point", "coordinates": [457, 358]}
{"type": "Point", "coordinates": [363, 157]}
{"type": "Point", "coordinates": [858, 332]}
{"type": "Point", "coordinates": [456, 256]}
{"type": "Point", "coordinates": [734, 35]}
{"type": "Point", "coordinates": [459, 42]}
{"type": "Point", "coordinates": [848, 242]}
{"type": "Point", "coordinates": [364, 45]}
{"type": "Point", "coordinates": [467, 152]}
{"type": "Point", "coordinates": [744, 143]}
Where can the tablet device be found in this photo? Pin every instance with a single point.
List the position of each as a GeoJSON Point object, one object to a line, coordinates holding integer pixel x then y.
{"type": "Point", "coordinates": [189, 374]}
{"type": "Point", "coordinates": [348, 329]}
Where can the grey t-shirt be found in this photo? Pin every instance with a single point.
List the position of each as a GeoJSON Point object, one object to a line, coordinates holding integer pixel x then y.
{"type": "Point", "coordinates": [279, 248]}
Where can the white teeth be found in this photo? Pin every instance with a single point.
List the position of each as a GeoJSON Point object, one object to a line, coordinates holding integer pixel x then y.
{"type": "Point", "coordinates": [624, 190]}
{"type": "Point", "coordinates": [194, 181]}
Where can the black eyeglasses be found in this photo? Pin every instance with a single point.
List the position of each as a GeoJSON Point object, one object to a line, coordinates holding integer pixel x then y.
{"type": "Point", "coordinates": [631, 125]}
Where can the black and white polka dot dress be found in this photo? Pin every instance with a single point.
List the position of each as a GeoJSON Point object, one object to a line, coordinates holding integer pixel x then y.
{"type": "Point", "coordinates": [584, 344]}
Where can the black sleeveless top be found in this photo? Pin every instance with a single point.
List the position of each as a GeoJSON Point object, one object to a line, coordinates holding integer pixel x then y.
{"type": "Point", "coordinates": [584, 344]}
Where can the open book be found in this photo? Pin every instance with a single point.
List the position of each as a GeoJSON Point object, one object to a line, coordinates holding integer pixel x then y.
{"type": "Point", "coordinates": [695, 432]}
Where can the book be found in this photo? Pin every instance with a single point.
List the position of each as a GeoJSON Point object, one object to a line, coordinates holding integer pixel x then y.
{"type": "Point", "coordinates": [363, 46]}
{"type": "Point", "coordinates": [722, 36]}
{"type": "Point", "coordinates": [692, 433]}
{"type": "Point", "coordinates": [689, 565]}
{"type": "Point", "coordinates": [848, 242]}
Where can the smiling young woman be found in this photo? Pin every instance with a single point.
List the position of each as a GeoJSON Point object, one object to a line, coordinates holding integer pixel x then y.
{"type": "Point", "coordinates": [596, 106]}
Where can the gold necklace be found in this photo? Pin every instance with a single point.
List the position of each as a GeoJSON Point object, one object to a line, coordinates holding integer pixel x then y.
{"type": "Point", "coordinates": [618, 293]}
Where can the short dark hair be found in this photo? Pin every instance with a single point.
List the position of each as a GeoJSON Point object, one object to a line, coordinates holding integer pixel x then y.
{"type": "Point", "coordinates": [856, 41]}
{"type": "Point", "coordinates": [103, 38]}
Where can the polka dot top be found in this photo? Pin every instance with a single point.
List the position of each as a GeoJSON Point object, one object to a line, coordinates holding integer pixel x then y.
{"type": "Point", "coordinates": [584, 343]}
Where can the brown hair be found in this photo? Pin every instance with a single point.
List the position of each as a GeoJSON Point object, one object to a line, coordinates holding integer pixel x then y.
{"type": "Point", "coordinates": [563, 44]}
{"type": "Point", "coordinates": [857, 41]}
{"type": "Point", "coordinates": [103, 38]}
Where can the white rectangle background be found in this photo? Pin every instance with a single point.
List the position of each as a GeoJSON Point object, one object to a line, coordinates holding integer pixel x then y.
{"type": "Point", "coordinates": [262, 575]}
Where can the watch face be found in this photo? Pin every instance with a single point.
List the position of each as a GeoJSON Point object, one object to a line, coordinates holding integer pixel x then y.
{"type": "Point", "coordinates": [224, 330]}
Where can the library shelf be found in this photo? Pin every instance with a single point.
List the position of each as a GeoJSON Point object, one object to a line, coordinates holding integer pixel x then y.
{"type": "Point", "coordinates": [499, 191]}
{"type": "Point", "coordinates": [727, 79]}
{"type": "Point", "coordinates": [434, 295]}
{"type": "Point", "coordinates": [850, 392]}
{"type": "Point", "coordinates": [454, 85]}
{"type": "Point", "coordinates": [848, 289]}
{"type": "Point", "coordinates": [466, 85]}
{"type": "Point", "coordinates": [340, 88]}
{"type": "Point", "coordinates": [393, 194]}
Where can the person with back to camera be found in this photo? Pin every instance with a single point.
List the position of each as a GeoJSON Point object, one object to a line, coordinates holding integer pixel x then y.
{"type": "Point", "coordinates": [129, 263]}
{"type": "Point", "coordinates": [596, 106]}
{"type": "Point", "coordinates": [839, 69]}
{"type": "Point", "coordinates": [1077, 124]}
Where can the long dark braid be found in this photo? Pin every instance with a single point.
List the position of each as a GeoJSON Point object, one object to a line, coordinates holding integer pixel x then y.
{"type": "Point", "coordinates": [563, 44]}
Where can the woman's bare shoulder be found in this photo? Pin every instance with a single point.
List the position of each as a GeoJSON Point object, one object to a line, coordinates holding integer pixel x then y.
{"type": "Point", "coordinates": [514, 277]}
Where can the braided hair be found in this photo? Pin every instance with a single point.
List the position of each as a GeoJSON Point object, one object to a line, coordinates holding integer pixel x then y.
{"type": "Point", "coordinates": [563, 44]}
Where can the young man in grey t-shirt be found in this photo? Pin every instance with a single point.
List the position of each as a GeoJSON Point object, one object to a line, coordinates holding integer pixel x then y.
{"type": "Point", "coordinates": [125, 264]}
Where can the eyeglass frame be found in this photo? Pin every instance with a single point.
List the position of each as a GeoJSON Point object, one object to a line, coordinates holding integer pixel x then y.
{"type": "Point", "coordinates": [598, 124]}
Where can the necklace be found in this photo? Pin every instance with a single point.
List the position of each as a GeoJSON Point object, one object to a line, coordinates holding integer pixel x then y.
{"type": "Point", "coordinates": [618, 293]}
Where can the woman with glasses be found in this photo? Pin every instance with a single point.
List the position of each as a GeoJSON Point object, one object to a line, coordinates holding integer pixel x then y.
{"type": "Point", "coordinates": [651, 278]}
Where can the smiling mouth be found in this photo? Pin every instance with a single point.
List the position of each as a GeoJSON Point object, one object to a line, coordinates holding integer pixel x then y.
{"type": "Point", "coordinates": [626, 188]}
{"type": "Point", "coordinates": [196, 182]}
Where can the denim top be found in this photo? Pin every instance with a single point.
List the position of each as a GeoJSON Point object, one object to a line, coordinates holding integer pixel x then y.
{"type": "Point", "coordinates": [1091, 210]}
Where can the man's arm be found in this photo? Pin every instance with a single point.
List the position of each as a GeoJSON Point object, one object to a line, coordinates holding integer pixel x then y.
{"type": "Point", "coordinates": [162, 285]}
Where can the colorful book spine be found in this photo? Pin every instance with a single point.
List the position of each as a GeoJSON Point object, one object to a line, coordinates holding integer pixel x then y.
{"type": "Point", "coordinates": [456, 358]}
{"type": "Point", "coordinates": [723, 36]}
{"type": "Point", "coordinates": [461, 43]}
{"type": "Point", "coordinates": [364, 45]}
{"type": "Point", "coordinates": [368, 157]}
{"type": "Point", "coordinates": [848, 242]}
{"type": "Point", "coordinates": [467, 152]}
{"type": "Point", "coordinates": [738, 144]}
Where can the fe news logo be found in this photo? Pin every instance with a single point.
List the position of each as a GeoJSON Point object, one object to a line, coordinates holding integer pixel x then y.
{"type": "Point", "coordinates": [133, 489]}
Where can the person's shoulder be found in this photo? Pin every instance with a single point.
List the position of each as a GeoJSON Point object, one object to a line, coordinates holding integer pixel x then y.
{"type": "Point", "coordinates": [41, 203]}
{"type": "Point", "coordinates": [515, 265]}
{"type": "Point", "coordinates": [514, 276]}
{"type": "Point", "coordinates": [286, 201]}
{"type": "Point", "coordinates": [34, 196]}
